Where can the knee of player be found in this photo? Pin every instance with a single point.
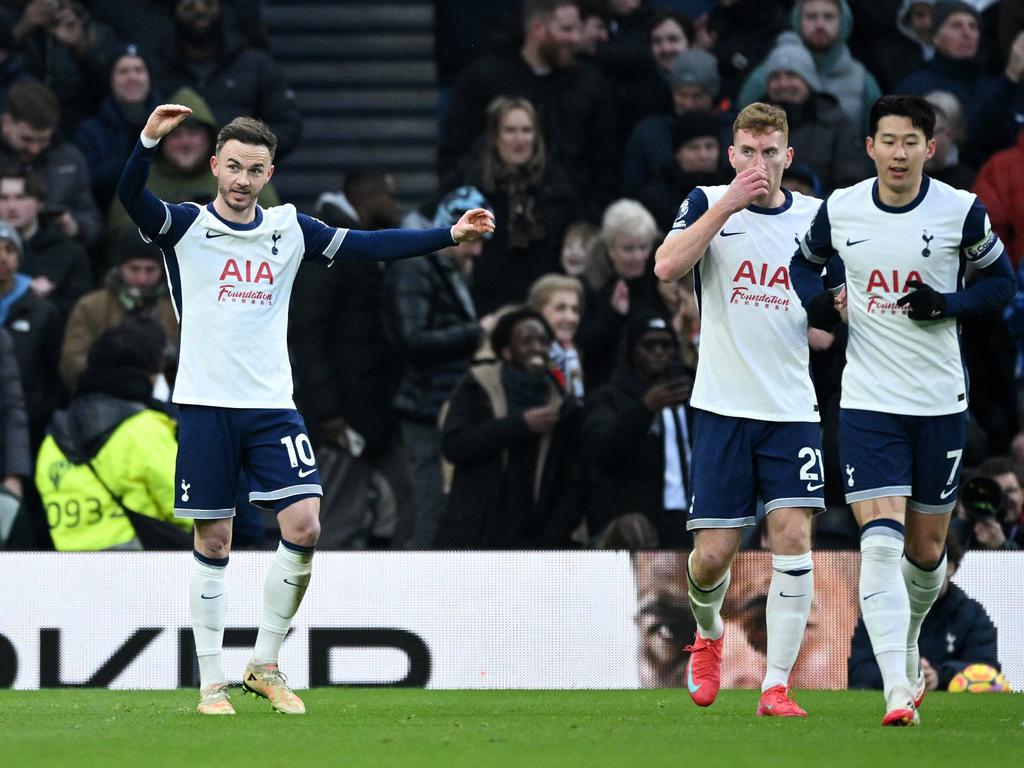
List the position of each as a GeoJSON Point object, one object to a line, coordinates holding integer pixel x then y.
{"type": "Point", "coordinates": [711, 561]}
{"type": "Point", "coordinates": [925, 552]}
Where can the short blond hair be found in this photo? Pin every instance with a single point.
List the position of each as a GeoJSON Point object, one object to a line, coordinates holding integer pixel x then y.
{"type": "Point", "coordinates": [546, 286]}
{"type": "Point", "coordinates": [759, 118]}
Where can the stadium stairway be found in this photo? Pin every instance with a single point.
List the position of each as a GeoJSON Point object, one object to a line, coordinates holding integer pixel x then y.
{"type": "Point", "coordinates": [363, 75]}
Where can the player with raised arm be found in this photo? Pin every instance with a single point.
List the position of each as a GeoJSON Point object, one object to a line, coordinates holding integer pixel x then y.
{"type": "Point", "coordinates": [905, 241]}
{"type": "Point", "coordinates": [231, 265]}
{"type": "Point", "coordinates": [756, 431]}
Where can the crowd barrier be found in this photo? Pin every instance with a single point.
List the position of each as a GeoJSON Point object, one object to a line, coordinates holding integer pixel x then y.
{"type": "Point", "coordinates": [440, 619]}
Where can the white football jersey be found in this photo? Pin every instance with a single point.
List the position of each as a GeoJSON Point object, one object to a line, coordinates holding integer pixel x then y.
{"type": "Point", "coordinates": [231, 285]}
{"type": "Point", "coordinates": [754, 360]}
{"type": "Point", "coordinates": [895, 364]}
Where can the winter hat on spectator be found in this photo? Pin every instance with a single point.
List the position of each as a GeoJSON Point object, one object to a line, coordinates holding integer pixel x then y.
{"type": "Point", "coordinates": [695, 66]}
{"type": "Point", "coordinates": [793, 57]}
{"type": "Point", "coordinates": [803, 172]}
{"type": "Point", "coordinates": [946, 8]}
{"type": "Point", "coordinates": [135, 344]}
{"type": "Point", "coordinates": [10, 234]}
{"type": "Point", "coordinates": [693, 125]}
{"type": "Point", "coordinates": [641, 323]}
{"type": "Point", "coordinates": [456, 203]}
{"type": "Point", "coordinates": [132, 246]}
{"type": "Point", "coordinates": [118, 53]}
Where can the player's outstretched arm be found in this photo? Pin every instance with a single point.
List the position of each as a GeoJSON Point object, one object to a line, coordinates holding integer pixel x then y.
{"type": "Point", "coordinates": [686, 243]}
{"type": "Point", "coordinates": [145, 208]}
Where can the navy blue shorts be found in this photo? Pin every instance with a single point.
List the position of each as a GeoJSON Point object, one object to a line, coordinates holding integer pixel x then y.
{"type": "Point", "coordinates": [736, 461]}
{"type": "Point", "coordinates": [270, 446]}
{"type": "Point", "coordinates": [884, 454]}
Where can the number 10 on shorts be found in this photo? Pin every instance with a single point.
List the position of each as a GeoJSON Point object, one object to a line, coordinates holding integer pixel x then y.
{"type": "Point", "coordinates": [299, 448]}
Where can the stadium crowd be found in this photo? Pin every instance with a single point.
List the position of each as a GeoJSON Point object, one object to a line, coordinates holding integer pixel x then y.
{"type": "Point", "coordinates": [527, 391]}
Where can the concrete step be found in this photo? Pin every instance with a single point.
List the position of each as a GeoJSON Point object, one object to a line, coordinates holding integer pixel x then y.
{"type": "Point", "coordinates": [335, 46]}
{"type": "Point", "coordinates": [285, 16]}
{"type": "Point", "coordinates": [365, 101]}
{"type": "Point", "coordinates": [369, 73]}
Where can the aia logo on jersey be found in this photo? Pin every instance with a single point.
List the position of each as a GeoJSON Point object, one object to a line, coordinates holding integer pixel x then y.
{"type": "Point", "coordinates": [750, 282]}
{"type": "Point", "coordinates": [249, 272]}
{"type": "Point", "coordinates": [888, 283]}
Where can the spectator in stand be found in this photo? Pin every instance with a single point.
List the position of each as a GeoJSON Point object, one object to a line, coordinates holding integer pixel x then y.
{"type": "Point", "coordinates": [892, 37]}
{"type": "Point", "coordinates": [1003, 471]}
{"type": "Point", "coordinates": [697, 163]}
{"type": "Point", "coordinates": [990, 101]}
{"type": "Point", "coordinates": [620, 283]}
{"type": "Point", "coordinates": [34, 326]}
{"type": "Point", "coordinates": [649, 150]}
{"type": "Point", "coordinates": [956, 632]}
{"type": "Point", "coordinates": [577, 241]}
{"type": "Point", "coordinates": [559, 300]}
{"type": "Point", "coordinates": [347, 370]}
{"type": "Point", "coordinates": [823, 27]}
{"type": "Point", "coordinates": [743, 33]}
{"type": "Point", "coordinates": [109, 458]}
{"type": "Point", "coordinates": [514, 442]}
{"type": "Point", "coordinates": [15, 455]}
{"type": "Point", "coordinates": [998, 187]}
{"type": "Point", "coordinates": [626, 55]}
{"type": "Point", "coordinates": [12, 63]}
{"type": "Point", "coordinates": [58, 265]}
{"type": "Point", "coordinates": [181, 169]}
{"type": "Point", "coordinates": [572, 98]}
{"type": "Point", "coordinates": [532, 197]}
{"type": "Point", "coordinates": [981, 511]}
{"type": "Point", "coordinates": [595, 18]}
{"type": "Point", "coordinates": [822, 135]}
{"type": "Point", "coordinates": [636, 435]}
{"type": "Point", "coordinates": [435, 324]}
{"type": "Point", "coordinates": [669, 35]}
{"type": "Point", "coordinates": [204, 54]}
{"type": "Point", "coordinates": [64, 48]}
{"type": "Point", "coordinates": [28, 127]}
{"type": "Point", "coordinates": [107, 138]}
{"type": "Point", "coordinates": [950, 134]}
{"type": "Point", "coordinates": [136, 287]}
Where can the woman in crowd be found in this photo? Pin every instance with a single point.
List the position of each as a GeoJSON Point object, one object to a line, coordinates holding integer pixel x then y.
{"type": "Point", "coordinates": [559, 300]}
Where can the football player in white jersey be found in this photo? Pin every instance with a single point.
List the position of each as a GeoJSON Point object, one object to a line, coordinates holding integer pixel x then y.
{"type": "Point", "coordinates": [756, 424]}
{"type": "Point", "coordinates": [231, 265]}
{"type": "Point", "coordinates": [905, 241]}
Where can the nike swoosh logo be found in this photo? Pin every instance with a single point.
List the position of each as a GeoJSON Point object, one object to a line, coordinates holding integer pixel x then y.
{"type": "Point", "coordinates": [815, 487]}
{"type": "Point", "coordinates": [916, 584]}
{"type": "Point", "coordinates": [850, 242]}
{"type": "Point", "coordinates": [936, 312]}
{"type": "Point", "coordinates": [211, 235]}
{"type": "Point", "coordinates": [306, 472]}
{"type": "Point", "coordinates": [947, 493]}
{"type": "Point", "coordinates": [293, 584]}
{"type": "Point", "coordinates": [689, 679]}
{"type": "Point", "coordinates": [880, 592]}
{"type": "Point", "coordinates": [210, 597]}
{"type": "Point", "coordinates": [730, 234]}
{"type": "Point", "coordinates": [783, 594]}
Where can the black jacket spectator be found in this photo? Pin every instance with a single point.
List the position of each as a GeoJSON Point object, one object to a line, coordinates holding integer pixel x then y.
{"type": "Point", "coordinates": [956, 632]}
{"type": "Point", "coordinates": [35, 328]}
{"type": "Point", "coordinates": [15, 455]}
{"type": "Point", "coordinates": [744, 32]}
{"type": "Point", "coordinates": [51, 254]}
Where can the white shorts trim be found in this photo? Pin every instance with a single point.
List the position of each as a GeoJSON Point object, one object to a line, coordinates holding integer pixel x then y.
{"type": "Point", "coordinates": [205, 514]}
{"type": "Point", "coordinates": [931, 509]}
{"type": "Point", "coordinates": [878, 493]}
{"type": "Point", "coordinates": [801, 502]}
{"type": "Point", "coordinates": [720, 522]}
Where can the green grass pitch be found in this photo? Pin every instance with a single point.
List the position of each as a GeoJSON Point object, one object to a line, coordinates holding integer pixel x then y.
{"type": "Point", "coordinates": [401, 727]}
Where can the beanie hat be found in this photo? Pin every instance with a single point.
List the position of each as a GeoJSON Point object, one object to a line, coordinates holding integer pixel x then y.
{"type": "Point", "coordinates": [695, 66]}
{"type": "Point", "coordinates": [641, 323]}
{"type": "Point", "coordinates": [793, 57]}
{"type": "Point", "coordinates": [946, 8]}
{"type": "Point", "coordinates": [692, 125]}
{"type": "Point", "coordinates": [456, 203]}
{"type": "Point", "coordinates": [132, 246]}
{"type": "Point", "coordinates": [9, 233]}
{"type": "Point", "coordinates": [118, 53]}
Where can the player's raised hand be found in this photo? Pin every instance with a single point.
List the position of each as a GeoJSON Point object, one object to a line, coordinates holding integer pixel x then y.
{"type": "Point", "coordinates": [746, 188]}
{"type": "Point", "coordinates": [474, 223]}
{"type": "Point", "coordinates": [165, 119]}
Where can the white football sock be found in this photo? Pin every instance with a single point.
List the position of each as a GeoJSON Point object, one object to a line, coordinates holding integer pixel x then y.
{"type": "Point", "coordinates": [923, 589]}
{"type": "Point", "coordinates": [884, 602]}
{"type": "Point", "coordinates": [287, 579]}
{"type": "Point", "coordinates": [706, 604]}
{"type": "Point", "coordinates": [208, 603]}
{"type": "Point", "coordinates": [789, 605]}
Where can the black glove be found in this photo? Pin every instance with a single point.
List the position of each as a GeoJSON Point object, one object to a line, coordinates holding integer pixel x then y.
{"type": "Point", "coordinates": [925, 302]}
{"type": "Point", "coordinates": [822, 312]}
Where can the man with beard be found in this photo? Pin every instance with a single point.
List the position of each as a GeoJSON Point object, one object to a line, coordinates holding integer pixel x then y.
{"type": "Point", "coordinates": [514, 446]}
{"type": "Point", "coordinates": [235, 79]}
{"type": "Point", "coordinates": [572, 99]}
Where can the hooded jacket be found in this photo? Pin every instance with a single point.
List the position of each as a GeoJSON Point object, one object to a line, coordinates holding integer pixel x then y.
{"type": "Point", "coordinates": [131, 449]}
{"type": "Point", "coordinates": [838, 72]}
